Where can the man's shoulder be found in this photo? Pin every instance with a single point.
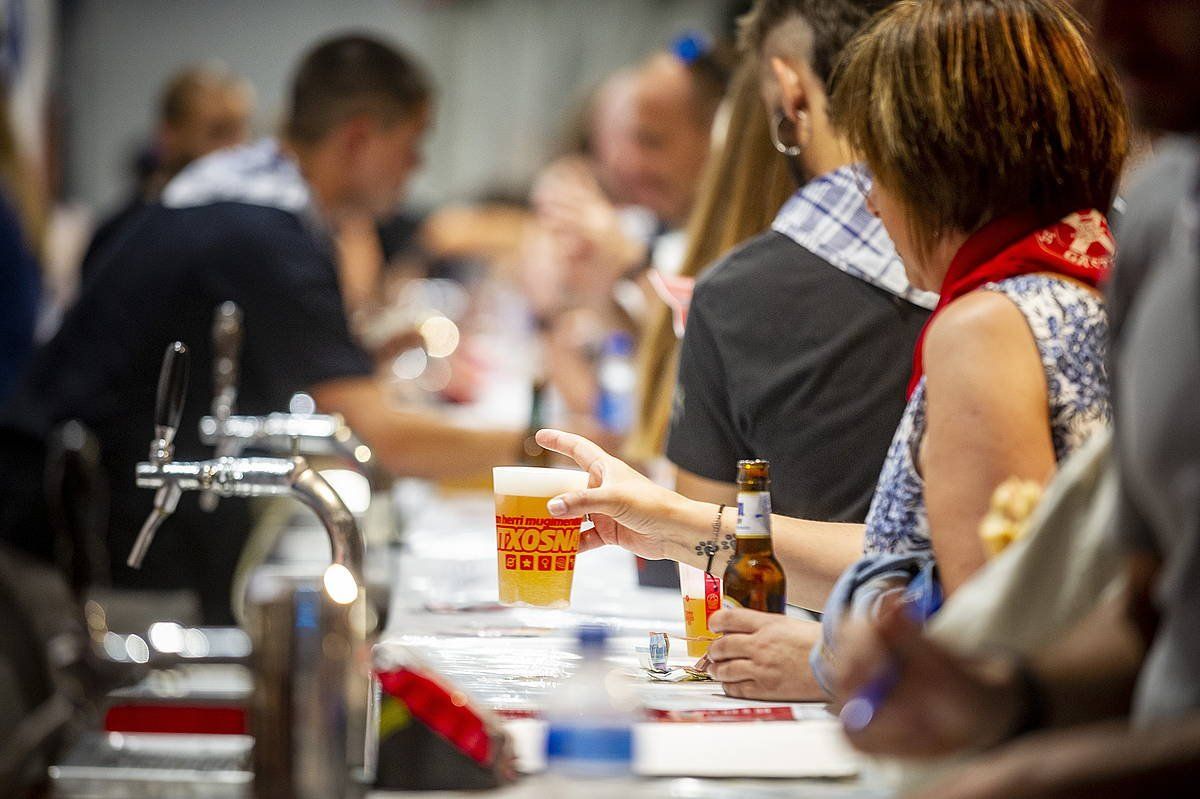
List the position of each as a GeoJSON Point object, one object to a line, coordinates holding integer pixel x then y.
{"type": "Point", "coordinates": [226, 224]}
{"type": "Point", "coordinates": [769, 265]}
{"type": "Point", "coordinates": [755, 261]}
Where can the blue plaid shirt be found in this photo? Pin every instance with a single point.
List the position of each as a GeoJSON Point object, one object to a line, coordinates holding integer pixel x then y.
{"type": "Point", "coordinates": [828, 216]}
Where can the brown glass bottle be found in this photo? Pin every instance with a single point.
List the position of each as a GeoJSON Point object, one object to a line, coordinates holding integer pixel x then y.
{"type": "Point", "coordinates": [533, 453]}
{"type": "Point", "coordinates": [754, 579]}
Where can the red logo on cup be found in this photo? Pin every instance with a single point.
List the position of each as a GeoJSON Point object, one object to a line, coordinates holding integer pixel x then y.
{"type": "Point", "coordinates": [527, 562]}
{"type": "Point", "coordinates": [570, 561]}
{"type": "Point", "coordinates": [544, 563]}
{"type": "Point", "coordinates": [510, 561]}
{"type": "Point", "coordinates": [560, 563]}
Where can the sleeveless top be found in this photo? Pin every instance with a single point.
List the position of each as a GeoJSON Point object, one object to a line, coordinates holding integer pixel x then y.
{"type": "Point", "coordinates": [1070, 327]}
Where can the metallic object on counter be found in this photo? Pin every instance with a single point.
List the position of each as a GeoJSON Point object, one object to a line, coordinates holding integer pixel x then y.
{"type": "Point", "coordinates": [298, 432]}
{"type": "Point", "coordinates": [309, 433]}
{"type": "Point", "coordinates": [233, 477]}
{"type": "Point", "coordinates": [310, 711]}
{"type": "Point", "coordinates": [119, 766]}
{"type": "Point", "coordinates": [168, 410]}
{"type": "Point", "coordinates": [311, 682]}
{"type": "Point", "coordinates": [227, 348]}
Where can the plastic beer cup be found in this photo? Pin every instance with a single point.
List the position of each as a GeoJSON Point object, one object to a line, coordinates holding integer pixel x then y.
{"type": "Point", "coordinates": [701, 599]}
{"type": "Point", "coordinates": [535, 551]}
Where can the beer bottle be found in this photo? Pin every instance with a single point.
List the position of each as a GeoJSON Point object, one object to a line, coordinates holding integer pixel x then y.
{"type": "Point", "coordinates": [533, 453]}
{"type": "Point", "coordinates": [754, 579]}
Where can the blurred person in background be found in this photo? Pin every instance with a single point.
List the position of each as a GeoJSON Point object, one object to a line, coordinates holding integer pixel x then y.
{"type": "Point", "coordinates": [1112, 709]}
{"type": "Point", "coordinates": [652, 133]}
{"type": "Point", "coordinates": [202, 108]}
{"type": "Point", "coordinates": [21, 224]}
{"type": "Point", "coordinates": [605, 219]}
{"type": "Point", "coordinates": [252, 225]}
{"type": "Point", "coordinates": [744, 184]}
{"type": "Point", "coordinates": [1011, 376]}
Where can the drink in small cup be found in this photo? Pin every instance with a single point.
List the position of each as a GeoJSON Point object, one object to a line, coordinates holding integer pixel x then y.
{"type": "Point", "coordinates": [535, 551]}
{"type": "Point", "coordinates": [701, 599]}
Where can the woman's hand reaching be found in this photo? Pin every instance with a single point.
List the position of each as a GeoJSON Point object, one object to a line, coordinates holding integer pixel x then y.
{"type": "Point", "coordinates": [627, 508]}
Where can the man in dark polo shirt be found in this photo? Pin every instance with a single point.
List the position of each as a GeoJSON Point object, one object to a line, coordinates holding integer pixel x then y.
{"type": "Point", "coordinates": [251, 225]}
{"type": "Point", "coordinates": [799, 342]}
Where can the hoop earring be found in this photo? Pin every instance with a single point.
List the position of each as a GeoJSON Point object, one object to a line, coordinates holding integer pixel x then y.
{"type": "Point", "coordinates": [777, 120]}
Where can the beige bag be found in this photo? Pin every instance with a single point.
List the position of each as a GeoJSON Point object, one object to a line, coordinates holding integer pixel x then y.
{"type": "Point", "coordinates": [1039, 587]}
{"type": "Point", "coordinates": [1053, 576]}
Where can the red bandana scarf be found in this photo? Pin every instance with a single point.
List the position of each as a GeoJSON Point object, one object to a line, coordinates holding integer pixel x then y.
{"type": "Point", "coordinates": [1078, 246]}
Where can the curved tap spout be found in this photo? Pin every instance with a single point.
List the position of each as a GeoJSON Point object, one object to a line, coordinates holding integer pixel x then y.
{"type": "Point", "coordinates": [345, 543]}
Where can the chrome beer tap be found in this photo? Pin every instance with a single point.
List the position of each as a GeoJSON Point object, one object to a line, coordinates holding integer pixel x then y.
{"type": "Point", "coordinates": [298, 432]}
{"type": "Point", "coordinates": [227, 346]}
{"type": "Point", "coordinates": [233, 477]}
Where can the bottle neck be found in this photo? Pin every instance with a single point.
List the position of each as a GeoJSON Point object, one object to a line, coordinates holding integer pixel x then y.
{"type": "Point", "coordinates": [754, 516]}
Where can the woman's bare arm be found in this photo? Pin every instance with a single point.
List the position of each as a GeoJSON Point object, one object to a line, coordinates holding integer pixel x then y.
{"type": "Point", "coordinates": [988, 420]}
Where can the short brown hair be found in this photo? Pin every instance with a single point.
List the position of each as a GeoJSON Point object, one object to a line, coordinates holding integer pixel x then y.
{"type": "Point", "coordinates": [829, 24]}
{"type": "Point", "coordinates": [175, 102]}
{"type": "Point", "coordinates": [970, 110]}
{"type": "Point", "coordinates": [350, 75]}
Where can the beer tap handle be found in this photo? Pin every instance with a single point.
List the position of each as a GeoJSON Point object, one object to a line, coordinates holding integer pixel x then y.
{"type": "Point", "coordinates": [168, 405]}
{"type": "Point", "coordinates": [168, 411]}
{"type": "Point", "coordinates": [227, 346]}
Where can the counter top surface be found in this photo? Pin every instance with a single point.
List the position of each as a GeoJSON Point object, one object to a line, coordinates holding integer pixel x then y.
{"type": "Point", "coordinates": [444, 611]}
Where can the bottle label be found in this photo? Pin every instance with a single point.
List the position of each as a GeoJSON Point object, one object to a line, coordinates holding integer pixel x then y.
{"type": "Point", "coordinates": [754, 514]}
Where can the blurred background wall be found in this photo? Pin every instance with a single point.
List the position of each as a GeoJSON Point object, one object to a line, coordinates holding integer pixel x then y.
{"type": "Point", "coordinates": [508, 71]}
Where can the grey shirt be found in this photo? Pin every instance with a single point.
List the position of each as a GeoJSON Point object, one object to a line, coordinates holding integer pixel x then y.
{"type": "Point", "coordinates": [1157, 397]}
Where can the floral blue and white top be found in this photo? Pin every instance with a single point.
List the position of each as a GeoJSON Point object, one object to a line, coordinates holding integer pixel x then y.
{"type": "Point", "coordinates": [1070, 327]}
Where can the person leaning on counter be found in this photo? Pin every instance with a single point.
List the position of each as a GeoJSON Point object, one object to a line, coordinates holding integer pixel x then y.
{"type": "Point", "coordinates": [251, 225]}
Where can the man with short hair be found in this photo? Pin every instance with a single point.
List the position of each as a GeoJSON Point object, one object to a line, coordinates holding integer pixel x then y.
{"type": "Point", "coordinates": [252, 225]}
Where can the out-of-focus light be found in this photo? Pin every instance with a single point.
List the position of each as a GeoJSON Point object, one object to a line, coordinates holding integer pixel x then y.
{"type": "Point", "coordinates": [302, 404]}
{"type": "Point", "coordinates": [362, 453]}
{"type": "Point", "coordinates": [352, 487]}
{"type": "Point", "coordinates": [166, 636]}
{"type": "Point", "coordinates": [437, 375]}
{"type": "Point", "coordinates": [195, 644]}
{"type": "Point", "coordinates": [340, 584]}
{"type": "Point", "coordinates": [410, 364]}
{"type": "Point", "coordinates": [137, 650]}
{"type": "Point", "coordinates": [440, 335]}
{"type": "Point", "coordinates": [114, 647]}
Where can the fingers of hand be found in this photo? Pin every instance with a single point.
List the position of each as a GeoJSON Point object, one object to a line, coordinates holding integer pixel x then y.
{"type": "Point", "coordinates": [733, 671]}
{"type": "Point", "coordinates": [738, 620]}
{"type": "Point", "coordinates": [732, 646]}
{"type": "Point", "coordinates": [585, 453]}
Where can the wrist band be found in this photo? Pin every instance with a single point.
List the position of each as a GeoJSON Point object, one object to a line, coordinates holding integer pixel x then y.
{"type": "Point", "coordinates": [711, 548]}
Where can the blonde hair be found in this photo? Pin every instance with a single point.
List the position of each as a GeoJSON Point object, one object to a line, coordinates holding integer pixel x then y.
{"type": "Point", "coordinates": [970, 110]}
{"type": "Point", "coordinates": [744, 184]}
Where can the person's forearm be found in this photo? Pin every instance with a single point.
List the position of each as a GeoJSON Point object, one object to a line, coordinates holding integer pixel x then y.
{"type": "Point", "coordinates": [813, 554]}
{"type": "Point", "coordinates": [420, 444]}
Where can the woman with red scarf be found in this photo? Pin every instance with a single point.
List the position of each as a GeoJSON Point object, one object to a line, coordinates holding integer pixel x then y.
{"type": "Point", "coordinates": [994, 136]}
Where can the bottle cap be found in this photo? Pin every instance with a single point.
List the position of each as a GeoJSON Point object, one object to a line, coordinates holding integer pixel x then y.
{"type": "Point", "coordinates": [592, 636]}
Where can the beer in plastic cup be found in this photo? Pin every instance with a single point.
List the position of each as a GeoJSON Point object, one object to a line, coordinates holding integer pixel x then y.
{"type": "Point", "coordinates": [535, 551]}
{"type": "Point", "coordinates": [701, 599]}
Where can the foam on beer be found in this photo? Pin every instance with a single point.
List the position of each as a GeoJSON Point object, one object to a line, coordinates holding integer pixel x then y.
{"type": "Point", "coordinates": [535, 551]}
{"type": "Point", "coordinates": [536, 481]}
